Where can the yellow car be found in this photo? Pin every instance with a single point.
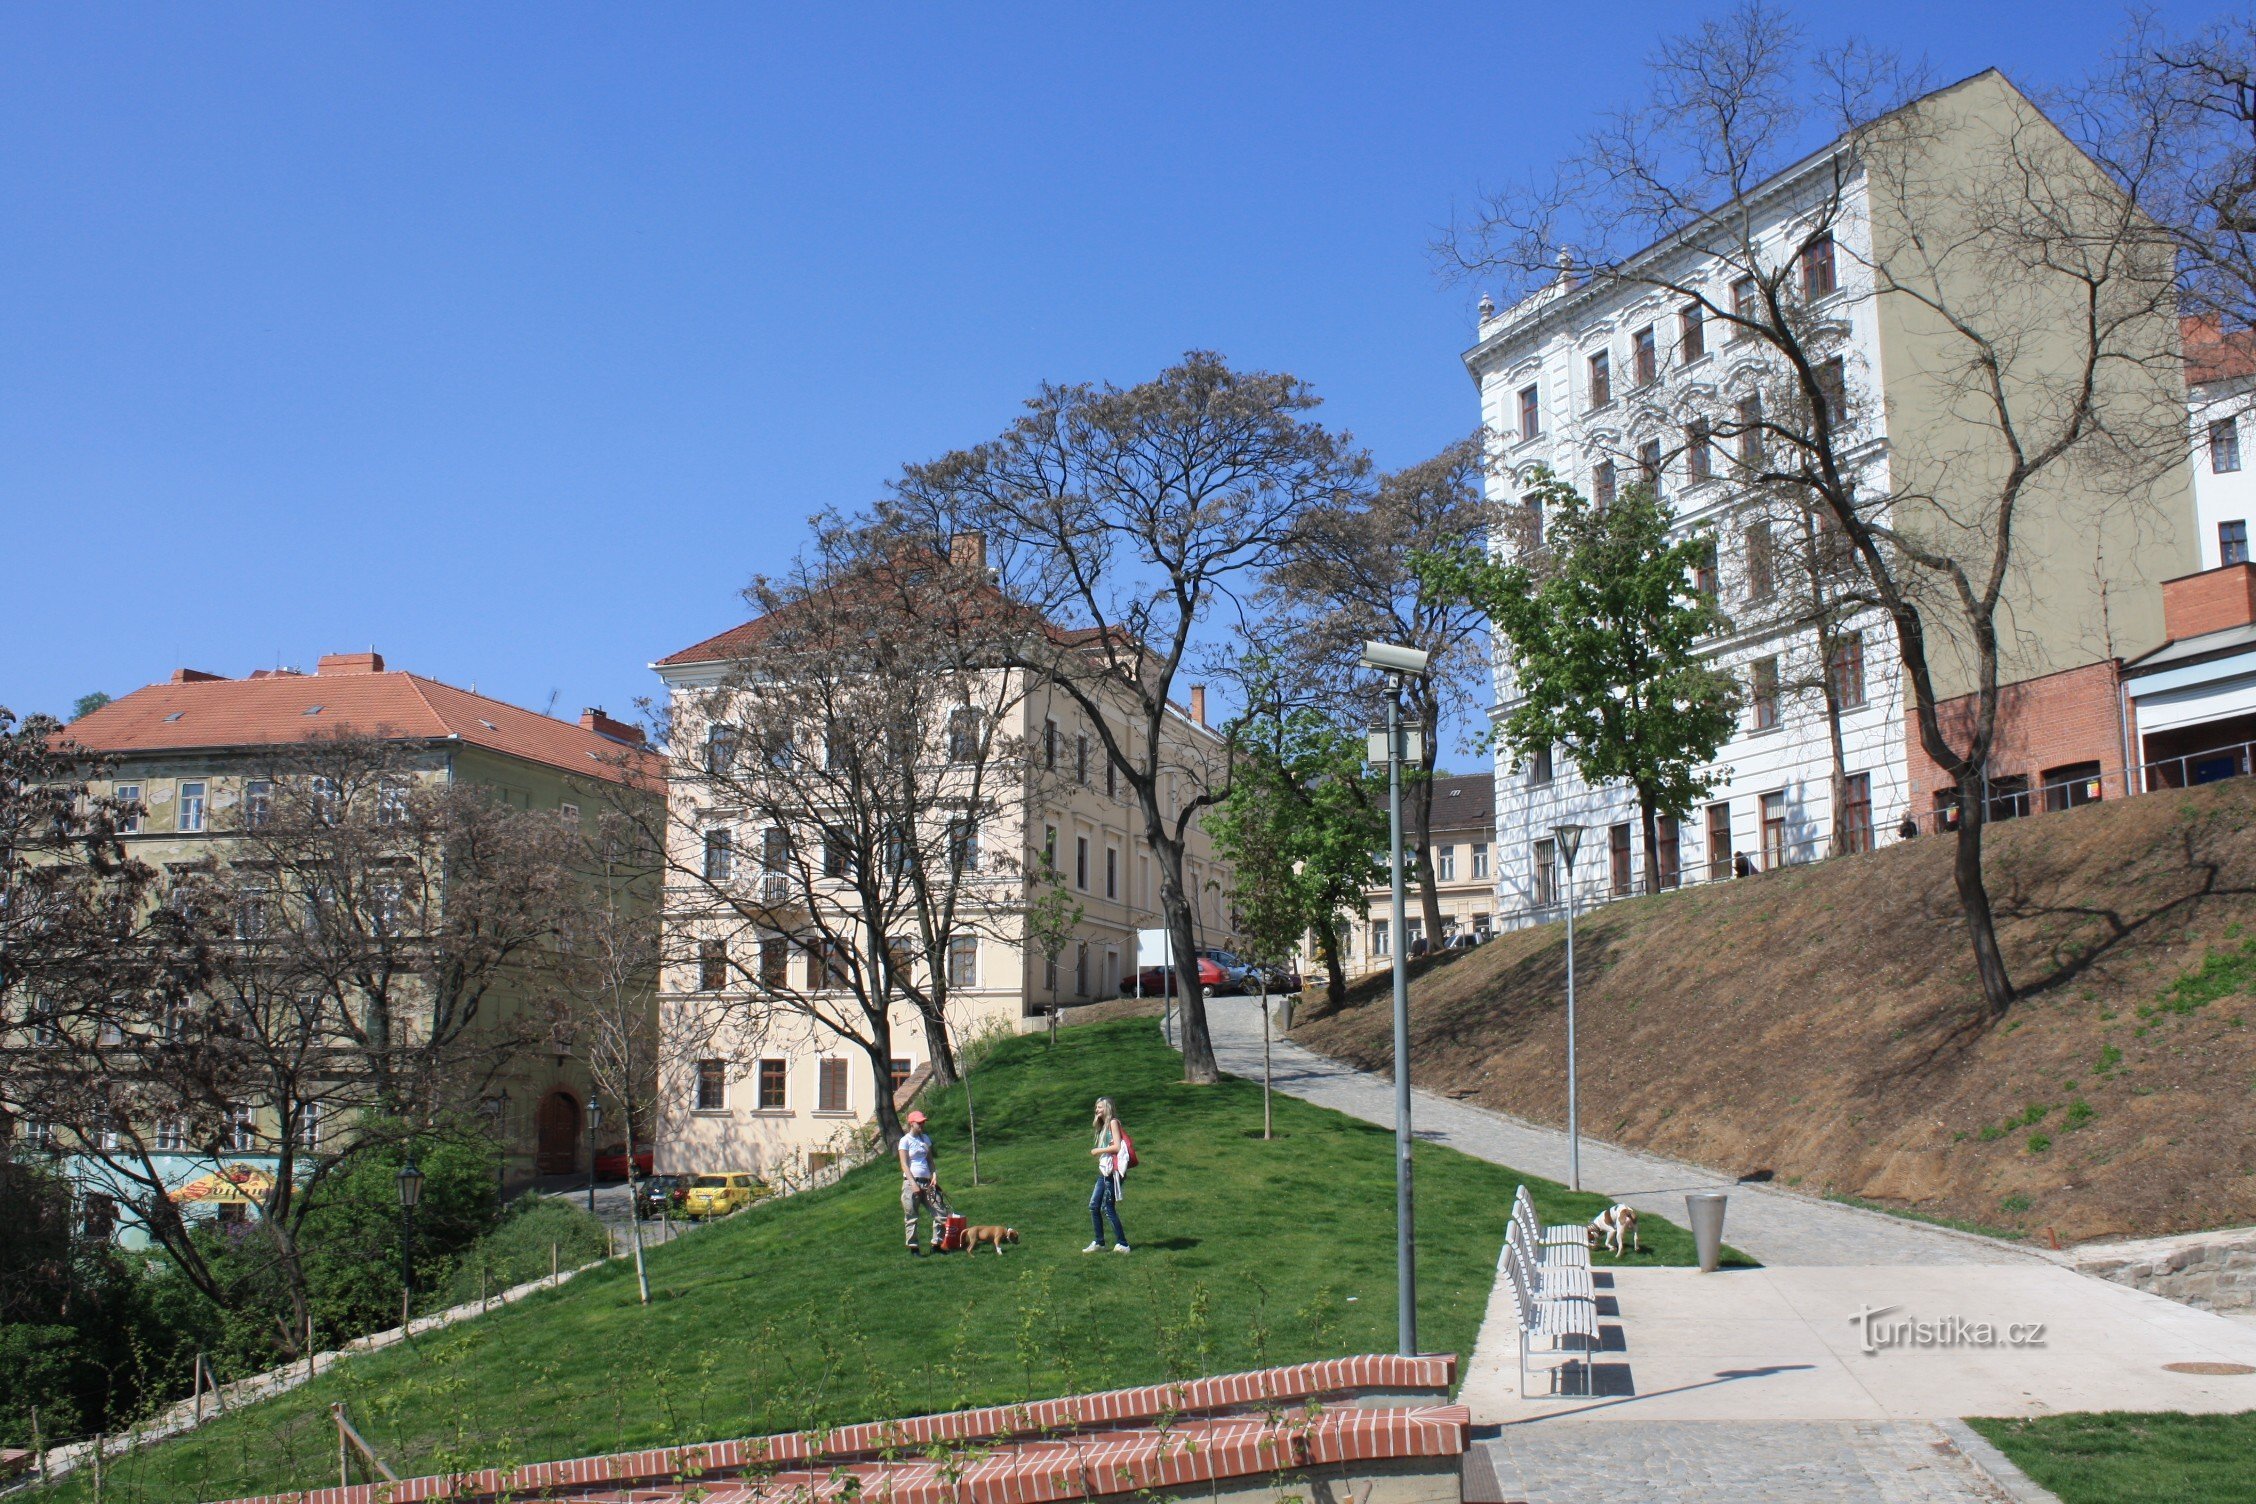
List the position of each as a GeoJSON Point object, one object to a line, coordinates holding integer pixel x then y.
{"type": "Point", "coordinates": [719, 1194]}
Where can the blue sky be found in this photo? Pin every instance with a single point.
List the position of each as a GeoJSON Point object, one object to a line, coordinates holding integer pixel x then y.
{"type": "Point", "coordinates": [513, 340]}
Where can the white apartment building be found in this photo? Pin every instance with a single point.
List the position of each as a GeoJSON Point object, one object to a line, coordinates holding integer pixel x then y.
{"type": "Point", "coordinates": [2221, 382]}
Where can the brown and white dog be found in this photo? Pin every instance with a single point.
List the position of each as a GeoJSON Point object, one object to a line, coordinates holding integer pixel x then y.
{"type": "Point", "coordinates": [975, 1236]}
{"type": "Point", "coordinates": [1615, 1227]}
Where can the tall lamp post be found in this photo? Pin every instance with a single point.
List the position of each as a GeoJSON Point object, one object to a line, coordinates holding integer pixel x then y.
{"type": "Point", "coordinates": [595, 1121]}
{"type": "Point", "coordinates": [1398, 663]}
{"type": "Point", "coordinates": [1569, 837]}
{"type": "Point", "coordinates": [410, 1192]}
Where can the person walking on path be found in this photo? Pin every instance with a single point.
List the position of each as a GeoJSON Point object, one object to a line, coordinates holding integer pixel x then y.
{"type": "Point", "coordinates": [1112, 1163]}
{"type": "Point", "coordinates": [920, 1183]}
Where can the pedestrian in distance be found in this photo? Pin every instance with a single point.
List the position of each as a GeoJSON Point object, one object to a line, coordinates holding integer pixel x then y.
{"type": "Point", "coordinates": [1114, 1152]}
{"type": "Point", "coordinates": [920, 1183]}
{"type": "Point", "coordinates": [1742, 865]}
{"type": "Point", "coordinates": [1909, 830]}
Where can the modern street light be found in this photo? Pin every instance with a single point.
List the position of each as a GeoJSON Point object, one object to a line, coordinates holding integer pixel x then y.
{"type": "Point", "coordinates": [1397, 663]}
{"type": "Point", "coordinates": [1569, 837]}
{"type": "Point", "coordinates": [595, 1121]}
{"type": "Point", "coordinates": [410, 1192]}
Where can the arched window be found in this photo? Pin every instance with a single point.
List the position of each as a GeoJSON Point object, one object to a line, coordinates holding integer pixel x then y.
{"type": "Point", "coordinates": [963, 735]}
{"type": "Point", "coordinates": [721, 741]}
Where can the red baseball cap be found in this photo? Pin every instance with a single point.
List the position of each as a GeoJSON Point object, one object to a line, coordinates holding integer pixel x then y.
{"type": "Point", "coordinates": [916, 1117]}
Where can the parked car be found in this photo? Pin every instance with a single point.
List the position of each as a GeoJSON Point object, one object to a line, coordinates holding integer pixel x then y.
{"type": "Point", "coordinates": [611, 1163]}
{"type": "Point", "coordinates": [1154, 981]}
{"type": "Point", "coordinates": [1277, 978]}
{"type": "Point", "coordinates": [661, 1195]}
{"type": "Point", "coordinates": [719, 1194]}
{"type": "Point", "coordinates": [1238, 974]}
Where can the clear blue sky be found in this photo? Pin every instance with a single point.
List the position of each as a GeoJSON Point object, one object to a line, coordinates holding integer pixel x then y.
{"type": "Point", "coordinates": [513, 340]}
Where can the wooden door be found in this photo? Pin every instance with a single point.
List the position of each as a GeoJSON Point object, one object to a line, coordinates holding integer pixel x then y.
{"type": "Point", "coordinates": [559, 1126]}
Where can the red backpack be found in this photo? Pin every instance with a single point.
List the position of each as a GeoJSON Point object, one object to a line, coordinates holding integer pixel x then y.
{"type": "Point", "coordinates": [1126, 1157]}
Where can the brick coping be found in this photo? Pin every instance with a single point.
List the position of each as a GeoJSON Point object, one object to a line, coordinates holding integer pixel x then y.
{"type": "Point", "coordinates": [1039, 1425]}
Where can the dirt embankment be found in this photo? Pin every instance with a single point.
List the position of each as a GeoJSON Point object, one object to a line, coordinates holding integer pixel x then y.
{"type": "Point", "coordinates": [1823, 1024]}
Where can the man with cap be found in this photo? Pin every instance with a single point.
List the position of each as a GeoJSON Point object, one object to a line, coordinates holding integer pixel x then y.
{"type": "Point", "coordinates": [920, 1186]}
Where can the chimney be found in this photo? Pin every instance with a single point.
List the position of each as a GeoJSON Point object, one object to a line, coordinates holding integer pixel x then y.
{"type": "Point", "coordinates": [193, 676]}
{"type": "Point", "coordinates": [968, 551]}
{"type": "Point", "coordinates": [593, 719]}
{"type": "Point", "coordinates": [370, 662]}
{"type": "Point", "coordinates": [1198, 703]}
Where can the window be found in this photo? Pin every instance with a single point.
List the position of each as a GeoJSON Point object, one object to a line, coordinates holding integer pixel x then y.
{"type": "Point", "coordinates": [1856, 811]}
{"type": "Point", "coordinates": [712, 965]}
{"type": "Point", "coordinates": [1445, 864]}
{"type": "Point", "coordinates": [720, 749]}
{"type": "Point", "coordinates": [128, 796]}
{"type": "Point", "coordinates": [1601, 379]}
{"type": "Point", "coordinates": [2224, 446]}
{"type": "Point", "coordinates": [712, 1086]}
{"type": "Point", "coordinates": [258, 803]}
{"type": "Point", "coordinates": [770, 1096]}
{"type": "Point", "coordinates": [170, 1136]}
{"type": "Point", "coordinates": [1774, 831]}
{"type": "Point", "coordinates": [238, 1131]}
{"type": "Point", "coordinates": [832, 964]}
{"type": "Point", "coordinates": [251, 914]}
{"type": "Point", "coordinates": [322, 796]}
{"type": "Point", "coordinates": [1381, 941]}
{"type": "Point", "coordinates": [898, 1071]}
{"type": "Point", "coordinates": [1546, 884]}
{"type": "Point", "coordinates": [1746, 308]}
{"type": "Point", "coordinates": [1704, 569]}
{"type": "Point", "coordinates": [1750, 431]}
{"type": "Point", "coordinates": [391, 804]}
{"type": "Point", "coordinates": [1644, 356]}
{"type": "Point", "coordinates": [1112, 780]}
{"type": "Point", "coordinates": [830, 1085]}
{"type": "Point", "coordinates": [1817, 268]}
{"type": "Point", "coordinates": [1480, 860]}
{"type": "Point", "coordinates": [1671, 853]}
{"type": "Point", "coordinates": [1649, 463]}
{"type": "Point", "coordinates": [569, 815]}
{"type": "Point", "coordinates": [1049, 847]}
{"type": "Point", "coordinates": [1762, 692]}
{"type": "Point", "coordinates": [963, 735]}
{"type": "Point", "coordinates": [775, 961]}
{"type": "Point", "coordinates": [963, 844]}
{"type": "Point", "coordinates": [1534, 505]}
{"type": "Point", "coordinates": [837, 860]}
{"type": "Point", "coordinates": [2076, 783]}
{"type": "Point", "coordinates": [1081, 968]}
{"type": "Point", "coordinates": [1698, 458]}
{"type": "Point", "coordinates": [1049, 745]}
{"type": "Point", "coordinates": [775, 853]}
{"type": "Point", "coordinates": [836, 751]}
{"type": "Point", "coordinates": [1531, 413]}
{"type": "Point", "coordinates": [1692, 333]}
{"type": "Point", "coordinates": [1833, 387]}
{"type": "Point", "coordinates": [720, 855]}
{"type": "Point", "coordinates": [1602, 483]}
{"type": "Point", "coordinates": [1081, 759]}
{"type": "Point", "coordinates": [1112, 872]}
{"type": "Point", "coordinates": [1762, 562]}
{"type": "Point", "coordinates": [97, 1216]}
{"type": "Point", "coordinates": [1539, 764]}
{"type": "Point", "coordinates": [1081, 863]}
{"type": "Point", "coordinates": [2232, 543]}
{"type": "Point", "coordinates": [963, 961]}
{"type": "Point", "coordinates": [1617, 854]}
{"type": "Point", "coordinates": [1845, 670]}
{"type": "Point", "coordinates": [191, 816]}
{"type": "Point", "coordinates": [1719, 840]}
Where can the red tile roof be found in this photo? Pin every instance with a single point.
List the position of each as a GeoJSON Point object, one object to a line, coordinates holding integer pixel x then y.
{"type": "Point", "coordinates": [348, 698]}
{"type": "Point", "coordinates": [2213, 355]}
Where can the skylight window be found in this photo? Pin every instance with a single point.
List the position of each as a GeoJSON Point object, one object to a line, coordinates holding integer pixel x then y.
{"type": "Point", "coordinates": [314, 709]}
{"type": "Point", "coordinates": [490, 726]}
{"type": "Point", "coordinates": [176, 715]}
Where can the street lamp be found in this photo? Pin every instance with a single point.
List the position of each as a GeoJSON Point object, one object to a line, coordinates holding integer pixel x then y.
{"type": "Point", "coordinates": [1569, 837]}
{"type": "Point", "coordinates": [1398, 663]}
{"type": "Point", "coordinates": [410, 1192]}
{"type": "Point", "coordinates": [595, 1121]}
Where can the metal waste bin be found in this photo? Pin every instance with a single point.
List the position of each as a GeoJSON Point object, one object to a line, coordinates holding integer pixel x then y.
{"type": "Point", "coordinates": [1704, 1210]}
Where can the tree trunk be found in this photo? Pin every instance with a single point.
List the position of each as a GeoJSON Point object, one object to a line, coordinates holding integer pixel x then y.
{"type": "Point", "coordinates": [880, 1052]}
{"type": "Point", "coordinates": [1198, 1046]}
{"type": "Point", "coordinates": [937, 1046]}
{"type": "Point", "coordinates": [1335, 969]}
{"type": "Point", "coordinates": [634, 1215]}
{"type": "Point", "coordinates": [1974, 895]}
{"type": "Point", "coordinates": [1649, 820]}
{"type": "Point", "coordinates": [1839, 845]}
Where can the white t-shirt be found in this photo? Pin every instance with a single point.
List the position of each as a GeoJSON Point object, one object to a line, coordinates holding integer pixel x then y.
{"type": "Point", "coordinates": [918, 1147]}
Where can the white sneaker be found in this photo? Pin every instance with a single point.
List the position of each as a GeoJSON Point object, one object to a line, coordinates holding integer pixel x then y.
{"type": "Point", "coordinates": [1120, 1248]}
{"type": "Point", "coordinates": [1094, 1248]}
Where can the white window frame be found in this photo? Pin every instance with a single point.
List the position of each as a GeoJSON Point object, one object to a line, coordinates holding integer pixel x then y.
{"type": "Point", "coordinates": [198, 802]}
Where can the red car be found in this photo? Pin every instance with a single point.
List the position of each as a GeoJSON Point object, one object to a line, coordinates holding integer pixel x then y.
{"type": "Point", "coordinates": [611, 1163]}
{"type": "Point", "coordinates": [1157, 981]}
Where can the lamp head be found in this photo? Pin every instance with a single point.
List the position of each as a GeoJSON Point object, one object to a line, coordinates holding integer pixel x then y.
{"type": "Point", "coordinates": [410, 1186]}
{"type": "Point", "coordinates": [595, 1112]}
{"type": "Point", "coordinates": [1393, 658]}
{"type": "Point", "coordinates": [1569, 836]}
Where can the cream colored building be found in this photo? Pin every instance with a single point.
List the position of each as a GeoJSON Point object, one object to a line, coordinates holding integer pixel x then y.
{"type": "Point", "coordinates": [750, 1084]}
{"type": "Point", "coordinates": [1464, 838]}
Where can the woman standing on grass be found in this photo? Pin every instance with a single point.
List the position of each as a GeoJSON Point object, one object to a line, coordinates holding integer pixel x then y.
{"type": "Point", "coordinates": [1112, 1155]}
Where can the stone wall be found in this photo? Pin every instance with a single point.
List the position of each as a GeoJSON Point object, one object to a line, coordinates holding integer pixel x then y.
{"type": "Point", "coordinates": [2212, 1271]}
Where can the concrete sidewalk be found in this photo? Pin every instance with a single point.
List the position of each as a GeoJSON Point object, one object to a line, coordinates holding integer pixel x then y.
{"type": "Point", "coordinates": [1772, 1225]}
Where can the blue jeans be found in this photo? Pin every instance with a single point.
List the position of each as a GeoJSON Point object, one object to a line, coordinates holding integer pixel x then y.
{"type": "Point", "coordinates": [1104, 1202]}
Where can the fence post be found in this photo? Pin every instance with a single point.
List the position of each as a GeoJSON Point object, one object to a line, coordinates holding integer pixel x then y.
{"type": "Point", "coordinates": [197, 1377]}
{"type": "Point", "coordinates": [552, 1261]}
{"type": "Point", "coordinates": [38, 1448]}
{"type": "Point", "coordinates": [97, 1467]}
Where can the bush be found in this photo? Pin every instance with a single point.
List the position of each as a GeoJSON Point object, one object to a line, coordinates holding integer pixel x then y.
{"type": "Point", "coordinates": [518, 1249]}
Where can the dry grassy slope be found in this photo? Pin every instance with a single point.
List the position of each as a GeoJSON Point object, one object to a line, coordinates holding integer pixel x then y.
{"type": "Point", "coordinates": [1823, 1023]}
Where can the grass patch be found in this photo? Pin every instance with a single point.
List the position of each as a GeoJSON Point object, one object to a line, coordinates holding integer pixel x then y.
{"type": "Point", "coordinates": [2116, 1458]}
{"type": "Point", "coordinates": [1955, 1224]}
{"type": "Point", "coordinates": [806, 1311]}
{"type": "Point", "coordinates": [2223, 971]}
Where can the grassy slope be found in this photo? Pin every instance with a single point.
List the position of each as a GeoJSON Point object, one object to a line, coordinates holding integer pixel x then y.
{"type": "Point", "coordinates": [808, 1311]}
{"type": "Point", "coordinates": [1823, 1023]}
{"type": "Point", "coordinates": [2133, 1459]}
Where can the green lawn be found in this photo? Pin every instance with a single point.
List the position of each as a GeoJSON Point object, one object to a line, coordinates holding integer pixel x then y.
{"type": "Point", "coordinates": [807, 1311]}
{"type": "Point", "coordinates": [2134, 1459]}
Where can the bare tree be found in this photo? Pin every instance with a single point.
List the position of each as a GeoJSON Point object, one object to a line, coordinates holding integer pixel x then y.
{"type": "Point", "coordinates": [1125, 522]}
{"type": "Point", "coordinates": [1345, 578]}
{"type": "Point", "coordinates": [2025, 282]}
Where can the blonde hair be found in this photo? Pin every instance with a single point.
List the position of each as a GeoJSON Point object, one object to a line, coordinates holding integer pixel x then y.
{"type": "Point", "coordinates": [1106, 1112]}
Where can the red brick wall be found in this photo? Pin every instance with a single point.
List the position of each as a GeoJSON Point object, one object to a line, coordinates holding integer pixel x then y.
{"type": "Point", "coordinates": [2046, 722]}
{"type": "Point", "coordinates": [2196, 604]}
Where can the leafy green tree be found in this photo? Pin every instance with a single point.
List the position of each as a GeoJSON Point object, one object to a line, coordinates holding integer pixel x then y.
{"type": "Point", "coordinates": [1602, 627]}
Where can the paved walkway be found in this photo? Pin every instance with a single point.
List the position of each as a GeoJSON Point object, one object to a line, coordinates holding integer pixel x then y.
{"type": "Point", "coordinates": [1771, 1225]}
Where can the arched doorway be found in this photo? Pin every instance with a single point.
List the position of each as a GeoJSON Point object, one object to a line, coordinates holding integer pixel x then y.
{"type": "Point", "coordinates": [558, 1151]}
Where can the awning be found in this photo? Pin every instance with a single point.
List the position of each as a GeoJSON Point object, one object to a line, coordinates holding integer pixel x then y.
{"type": "Point", "coordinates": [235, 1185]}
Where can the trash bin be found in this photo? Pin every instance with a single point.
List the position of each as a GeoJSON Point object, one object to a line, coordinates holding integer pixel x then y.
{"type": "Point", "coordinates": [1704, 1210]}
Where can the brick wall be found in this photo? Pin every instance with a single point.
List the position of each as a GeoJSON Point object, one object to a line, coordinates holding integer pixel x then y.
{"type": "Point", "coordinates": [2196, 604]}
{"type": "Point", "coordinates": [2047, 722]}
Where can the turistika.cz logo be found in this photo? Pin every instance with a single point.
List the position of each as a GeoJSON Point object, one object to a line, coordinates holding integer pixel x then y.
{"type": "Point", "coordinates": [1876, 1335]}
